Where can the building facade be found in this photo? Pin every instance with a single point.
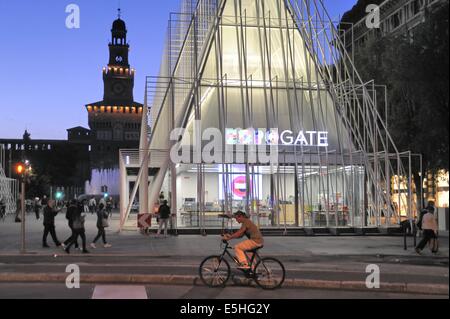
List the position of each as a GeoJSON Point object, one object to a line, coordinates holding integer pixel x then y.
{"type": "Point", "coordinates": [66, 162]}
{"type": "Point", "coordinates": [294, 144]}
{"type": "Point", "coordinates": [397, 17]}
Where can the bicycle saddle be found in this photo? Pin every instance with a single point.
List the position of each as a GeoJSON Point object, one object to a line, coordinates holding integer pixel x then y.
{"type": "Point", "coordinates": [254, 250]}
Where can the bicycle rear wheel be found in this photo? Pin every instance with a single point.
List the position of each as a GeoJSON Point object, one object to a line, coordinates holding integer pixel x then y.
{"type": "Point", "coordinates": [269, 273]}
{"type": "Point", "coordinates": [214, 272]}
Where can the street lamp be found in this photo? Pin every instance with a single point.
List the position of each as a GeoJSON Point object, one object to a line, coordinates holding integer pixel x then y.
{"type": "Point", "coordinates": [22, 170]}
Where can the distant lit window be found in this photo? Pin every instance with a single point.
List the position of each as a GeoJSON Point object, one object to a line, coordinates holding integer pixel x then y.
{"type": "Point", "coordinates": [442, 189]}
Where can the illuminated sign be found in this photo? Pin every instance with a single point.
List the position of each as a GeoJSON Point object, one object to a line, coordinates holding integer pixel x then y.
{"type": "Point", "coordinates": [239, 188]}
{"type": "Point", "coordinates": [273, 137]}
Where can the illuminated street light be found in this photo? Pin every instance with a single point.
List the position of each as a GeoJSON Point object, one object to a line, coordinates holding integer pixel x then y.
{"type": "Point", "coordinates": [20, 168]}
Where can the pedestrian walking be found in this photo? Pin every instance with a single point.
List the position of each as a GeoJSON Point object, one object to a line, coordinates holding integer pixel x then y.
{"type": "Point", "coordinates": [50, 213]}
{"type": "Point", "coordinates": [429, 227]}
{"type": "Point", "coordinates": [164, 215]}
{"type": "Point", "coordinates": [71, 214]}
{"type": "Point", "coordinates": [37, 207]}
{"type": "Point", "coordinates": [92, 205]}
{"type": "Point", "coordinates": [85, 206]}
{"type": "Point", "coordinates": [18, 210]}
{"type": "Point", "coordinates": [102, 223]}
{"type": "Point", "coordinates": [109, 207]}
{"type": "Point", "coordinates": [79, 230]}
{"type": "Point", "coordinates": [44, 201]}
{"type": "Point", "coordinates": [102, 201]}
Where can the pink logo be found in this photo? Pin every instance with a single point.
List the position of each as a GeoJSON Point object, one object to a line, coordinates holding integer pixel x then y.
{"type": "Point", "coordinates": [239, 186]}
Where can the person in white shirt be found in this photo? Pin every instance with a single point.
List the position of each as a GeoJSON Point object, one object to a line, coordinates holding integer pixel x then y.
{"type": "Point", "coordinates": [102, 201]}
{"type": "Point", "coordinates": [92, 205]}
{"type": "Point", "coordinates": [429, 227]}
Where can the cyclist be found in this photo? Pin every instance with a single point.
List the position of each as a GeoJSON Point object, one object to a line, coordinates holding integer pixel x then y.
{"type": "Point", "coordinates": [255, 239]}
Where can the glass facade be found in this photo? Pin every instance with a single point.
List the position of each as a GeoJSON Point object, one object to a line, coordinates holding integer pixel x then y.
{"type": "Point", "coordinates": [241, 76]}
{"type": "Point", "coordinates": [271, 198]}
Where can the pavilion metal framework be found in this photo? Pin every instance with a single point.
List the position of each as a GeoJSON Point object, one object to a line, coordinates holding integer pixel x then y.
{"type": "Point", "coordinates": [8, 187]}
{"type": "Point", "coordinates": [275, 63]}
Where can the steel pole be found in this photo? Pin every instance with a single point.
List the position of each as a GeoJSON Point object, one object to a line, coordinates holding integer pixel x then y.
{"type": "Point", "coordinates": [22, 208]}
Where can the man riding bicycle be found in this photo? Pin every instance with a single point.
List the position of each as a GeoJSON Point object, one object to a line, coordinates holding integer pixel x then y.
{"type": "Point", "coordinates": [255, 238]}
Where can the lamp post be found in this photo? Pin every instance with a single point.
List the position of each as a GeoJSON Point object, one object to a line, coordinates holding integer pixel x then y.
{"type": "Point", "coordinates": [22, 208]}
{"type": "Point", "coordinates": [22, 171]}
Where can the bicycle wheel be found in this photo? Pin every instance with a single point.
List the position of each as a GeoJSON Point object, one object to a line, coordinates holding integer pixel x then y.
{"type": "Point", "coordinates": [214, 272]}
{"type": "Point", "coordinates": [269, 273]}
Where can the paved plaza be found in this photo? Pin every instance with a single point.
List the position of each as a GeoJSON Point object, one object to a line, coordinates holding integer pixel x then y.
{"type": "Point", "coordinates": [320, 262]}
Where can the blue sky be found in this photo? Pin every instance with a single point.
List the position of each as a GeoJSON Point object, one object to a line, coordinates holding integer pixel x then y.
{"type": "Point", "coordinates": [49, 72]}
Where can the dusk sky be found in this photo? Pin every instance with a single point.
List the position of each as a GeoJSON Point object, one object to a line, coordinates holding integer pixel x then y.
{"type": "Point", "coordinates": [49, 72]}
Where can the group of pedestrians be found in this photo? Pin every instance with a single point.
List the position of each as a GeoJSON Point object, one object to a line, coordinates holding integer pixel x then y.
{"type": "Point", "coordinates": [91, 205]}
{"type": "Point", "coordinates": [75, 216]}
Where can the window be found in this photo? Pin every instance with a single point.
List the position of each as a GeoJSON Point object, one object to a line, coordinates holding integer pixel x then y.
{"type": "Point", "coordinates": [118, 132]}
{"type": "Point", "coordinates": [104, 135]}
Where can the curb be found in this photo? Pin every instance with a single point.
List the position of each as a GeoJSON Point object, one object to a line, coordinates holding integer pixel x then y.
{"type": "Point", "coordinates": [58, 254]}
{"type": "Point", "coordinates": [413, 288]}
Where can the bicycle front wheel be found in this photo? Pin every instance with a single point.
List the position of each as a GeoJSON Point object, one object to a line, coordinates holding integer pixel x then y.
{"type": "Point", "coordinates": [269, 273]}
{"type": "Point", "coordinates": [214, 271]}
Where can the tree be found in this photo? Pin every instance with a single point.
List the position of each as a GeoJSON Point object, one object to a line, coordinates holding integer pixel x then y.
{"type": "Point", "coordinates": [417, 76]}
{"type": "Point", "coordinates": [38, 186]}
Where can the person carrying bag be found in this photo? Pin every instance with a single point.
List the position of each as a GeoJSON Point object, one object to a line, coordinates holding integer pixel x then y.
{"type": "Point", "coordinates": [429, 227]}
{"type": "Point", "coordinates": [78, 228]}
{"type": "Point", "coordinates": [102, 223]}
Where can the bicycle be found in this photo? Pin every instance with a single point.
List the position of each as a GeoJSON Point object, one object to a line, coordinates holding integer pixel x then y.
{"type": "Point", "coordinates": [268, 272]}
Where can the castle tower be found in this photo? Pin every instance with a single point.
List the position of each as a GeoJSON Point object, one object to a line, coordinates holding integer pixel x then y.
{"type": "Point", "coordinates": [116, 120]}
